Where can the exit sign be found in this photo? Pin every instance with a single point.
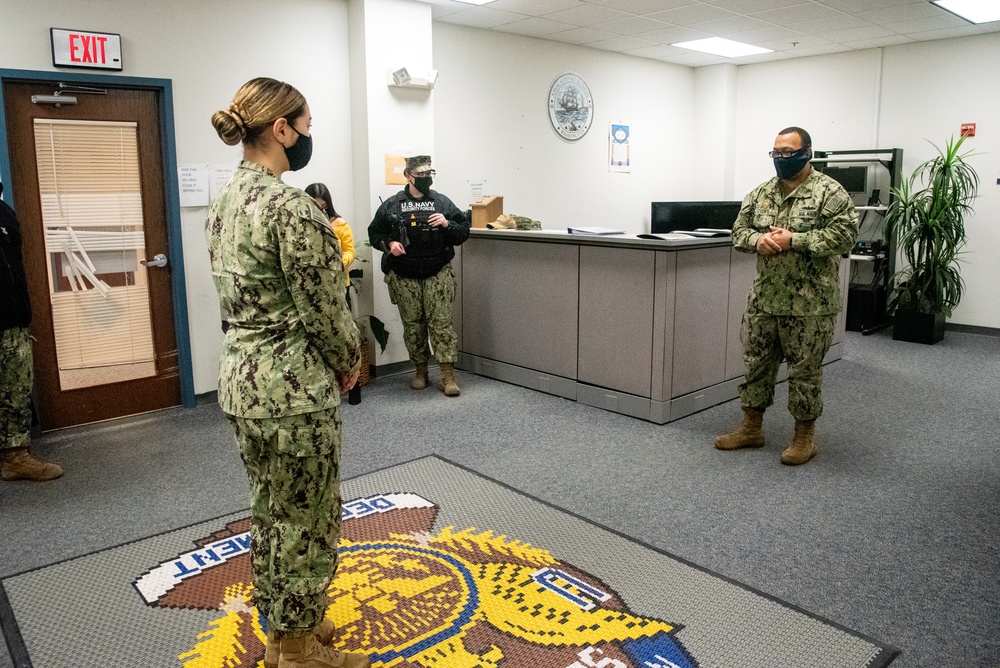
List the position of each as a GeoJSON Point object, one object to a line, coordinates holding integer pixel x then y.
{"type": "Point", "coordinates": [92, 50]}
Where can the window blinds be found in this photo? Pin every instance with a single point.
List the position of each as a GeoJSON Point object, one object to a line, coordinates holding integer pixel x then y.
{"type": "Point", "coordinates": [88, 177]}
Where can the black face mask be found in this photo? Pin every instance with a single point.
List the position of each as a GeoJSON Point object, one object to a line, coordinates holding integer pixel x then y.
{"type": "Point", "coordinates": [423, 184]}
{"type": "Point", "coordinates": [298, 154]}
{"type": "Point", "coordinates": [787, 168]}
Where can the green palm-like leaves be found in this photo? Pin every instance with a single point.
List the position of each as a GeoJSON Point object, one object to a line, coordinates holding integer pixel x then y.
{"type": "Point", "coordinates": [926, 223]}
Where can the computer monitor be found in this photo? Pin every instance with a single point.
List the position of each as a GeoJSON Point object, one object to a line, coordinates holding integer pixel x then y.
{"type": "Point", "coordinates": [669, 216]}
{"type": "Point", "coordinates": [854, 179]}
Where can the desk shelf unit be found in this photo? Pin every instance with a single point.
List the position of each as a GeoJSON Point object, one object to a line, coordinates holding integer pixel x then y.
{"type": "Point", "coordinates": [866, 302]}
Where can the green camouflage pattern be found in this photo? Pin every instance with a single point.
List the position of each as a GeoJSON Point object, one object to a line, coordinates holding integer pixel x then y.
{"type": "Point", "coordinates": [425, 307]}
{"type": "Point", "coordinates": [768, 340]}
{"type": "Point", "coordinates": [277, 268]}
{"type": "Point", "coordinates": [294, 468]}
{"type": "Point", "coordinates": [525, 223]}
{"type": "Point", "coordinates": [803, 280]}
{"type": "Point", "coordinates": [15, 388]}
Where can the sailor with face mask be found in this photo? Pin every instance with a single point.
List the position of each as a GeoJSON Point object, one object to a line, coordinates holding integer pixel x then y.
{"type": "Point", "coordinates": [798, 224]}
{"type": "Point", "coordinates": [291, 348]}
{"type": "Point", "coordinates": [417, 229]}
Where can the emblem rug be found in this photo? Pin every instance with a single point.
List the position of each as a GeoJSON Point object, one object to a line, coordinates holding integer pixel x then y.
{"type": "Point", "coordinates": [439, 567]}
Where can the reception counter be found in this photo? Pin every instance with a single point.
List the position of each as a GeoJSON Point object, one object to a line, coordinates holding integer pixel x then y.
{"type": "Point", "coordinates": [647, 328]}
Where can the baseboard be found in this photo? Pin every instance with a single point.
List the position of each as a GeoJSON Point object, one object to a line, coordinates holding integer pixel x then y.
{"type": "Point", "coordinates": [972, 329]}
{"type": "Point", "coordinates": [395, 368]}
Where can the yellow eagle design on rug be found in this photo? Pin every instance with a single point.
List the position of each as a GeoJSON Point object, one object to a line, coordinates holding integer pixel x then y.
{"type": "Point", "coordinates": [409, 598]}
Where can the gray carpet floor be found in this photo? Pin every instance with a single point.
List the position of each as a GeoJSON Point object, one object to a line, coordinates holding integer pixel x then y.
{"type": "Point", "coordinates": [891, 531]}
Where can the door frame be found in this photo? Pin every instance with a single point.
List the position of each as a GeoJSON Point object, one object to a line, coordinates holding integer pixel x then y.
{"type": "Point", "coordinates": [172, 197]}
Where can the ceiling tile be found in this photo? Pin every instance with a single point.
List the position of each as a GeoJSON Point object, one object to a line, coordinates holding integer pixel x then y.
{"type": "Point", "coordinates": [879, 42]}
{"type": "Point", "coordinates": [925, 25]}
{"type": "Point", "coordinates": [620, 44]}
{"type": "Point", "coordinates": [731, 25]}
{"type": "Point", "coordinates": [912, 10]}
{"type": "Point", "coordinates": [852, 6]}
{"type": "Point", "coordinates": [858, 34]}
{"type": "Point", "coordinates": [769, 33]}
{"type": "Point", "coordinates": [674, 35]}
{"type": "Point", "coordinates": [534, 7]}
{"type": "Point", "coordinates": [821, 26]}
{"type": "Point", "coordinates": [478, 18]}
{"type": "Point", "coordinates": [753, 6]}
{"type": "Point", "coordinates": [640, 7]}
{"type": "Point", "coordinates": [635, 25]}
{"type": "Point", "coordinates": [797, 13]}
{"type": "Point", "coordinates": [800, 42]}
{"type": "Point", "coordinates": [587, 15]}
{"type": "Point", "coordinates": [534, 27]}
{"type": "Point", "coordinates": [580, 36]}
{"type": "Point", "coordinates": [683, 16]}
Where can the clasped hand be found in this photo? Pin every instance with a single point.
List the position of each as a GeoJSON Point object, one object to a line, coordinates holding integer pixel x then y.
{"type": "Point", "coordinates": [776, 241]}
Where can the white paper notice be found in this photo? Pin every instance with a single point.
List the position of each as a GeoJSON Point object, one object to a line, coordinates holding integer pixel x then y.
{"type": "Point", "coordinates": [193, 184]}
{"type": "Point", "coordinates": [218, 176]}
{"type": "Point", "coordinates": [477, 189]}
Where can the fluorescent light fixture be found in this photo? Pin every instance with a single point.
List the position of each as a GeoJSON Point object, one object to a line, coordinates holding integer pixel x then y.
{"type": "Point", "coordinates": [476, 2]}
{"type": "Point", "coordinates": [719, 46]}
{"type": "Point", "coordinates": [974, 11]}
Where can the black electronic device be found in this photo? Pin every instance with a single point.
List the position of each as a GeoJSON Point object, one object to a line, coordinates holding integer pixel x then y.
{"type": "Point", "coordinates": [669, 216]}
{"type": "Point", "coordinates": [854, 179]}
{"type": "Point", "coordinates": [875, 247]}
{"type": "Point", "coordinates": [865, 307]}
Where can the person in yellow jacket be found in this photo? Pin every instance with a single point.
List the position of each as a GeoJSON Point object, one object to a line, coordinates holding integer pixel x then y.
{"type": "Point", "coordinates": [321, 194]}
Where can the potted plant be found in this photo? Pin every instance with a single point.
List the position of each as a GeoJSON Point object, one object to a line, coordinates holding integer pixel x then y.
{"type": "Point", "coordinates": [925, 223]}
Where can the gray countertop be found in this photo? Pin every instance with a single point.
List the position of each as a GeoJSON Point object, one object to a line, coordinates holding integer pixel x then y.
{"type": "Point", "coordinates": [610, 240]}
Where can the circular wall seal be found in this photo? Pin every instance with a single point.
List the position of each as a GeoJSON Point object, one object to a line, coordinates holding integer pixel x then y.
{"type": "Point", "coordinates": [571, 106]}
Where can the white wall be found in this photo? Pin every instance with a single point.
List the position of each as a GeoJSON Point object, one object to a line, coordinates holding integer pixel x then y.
{"type": "Point", "coordinates": [208, 50]}
{"type": "Point", "coordinates": [832, 97]}
{"type": "Point", "coordinates": [896, 97]}
{"type": "Point", "coordinates": [492, 123]}
{"type": "Point", "coordinates": [387, 35]}
{"type": "Point", "coordinates": [929, 89]}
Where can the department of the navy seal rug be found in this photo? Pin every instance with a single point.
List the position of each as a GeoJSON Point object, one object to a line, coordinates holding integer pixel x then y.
{"type": "Point", "coordinates": [440, 567]}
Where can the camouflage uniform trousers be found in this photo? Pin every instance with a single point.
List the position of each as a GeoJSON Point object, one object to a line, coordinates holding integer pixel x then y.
{"type": "Point", "coordinates": [426, 307]}
{"type": "Point", "coordinates": [802, 341]}
{"type": "Point", "coordinates": [15, 388]}
{"type": "Point", "coordinates": [294, 467]}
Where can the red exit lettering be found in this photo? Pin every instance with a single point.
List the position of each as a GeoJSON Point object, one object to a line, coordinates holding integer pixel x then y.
{"type": "Point", "coordinates": [91, 46]}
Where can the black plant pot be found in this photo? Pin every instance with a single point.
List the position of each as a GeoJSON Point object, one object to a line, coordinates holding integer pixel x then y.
{"type": "Point", "coordinates": [918, 327]}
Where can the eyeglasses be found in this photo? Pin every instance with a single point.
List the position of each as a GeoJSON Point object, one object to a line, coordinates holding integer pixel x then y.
{"type": "Point", "coordinates": [786, 154]}
{"type": "Point", "coordinates": [429, 172]}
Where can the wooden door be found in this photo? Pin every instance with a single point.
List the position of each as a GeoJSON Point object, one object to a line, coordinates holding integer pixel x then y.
{"type": "Point", "coordinates": [89, 186]}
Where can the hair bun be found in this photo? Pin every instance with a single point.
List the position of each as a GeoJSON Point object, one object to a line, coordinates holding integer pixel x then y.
{"type": "Point", "coordinates": [230, 126]}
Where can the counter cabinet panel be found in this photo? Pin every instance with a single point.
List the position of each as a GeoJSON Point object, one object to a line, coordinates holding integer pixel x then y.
{"type": "Point", "coordinates": [520, 303]}
{"type": "Point", "coordinates": [616, 318]}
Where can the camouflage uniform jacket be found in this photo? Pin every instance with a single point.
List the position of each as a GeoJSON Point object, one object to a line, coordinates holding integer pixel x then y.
{"type": "Point", "coordinates": [804, 280]}
{"type": "Point", "coordinates": [276, 265]}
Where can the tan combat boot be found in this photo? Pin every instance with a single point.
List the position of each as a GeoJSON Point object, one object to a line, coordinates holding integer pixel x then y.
{"type": "Point", "coordinates": [20, 465]}
{"type": "Point", "coordinates": [748, 435]}
{"type": "Point", "coordinates": [802, 448]}
{"type": "Point", "coordinates": [324, 634]}
{"type": "Point", "coordinates": [306, 652]}
{"type": "Point", "coordinates": [448, 384]}
{"type": "Point", "coordinates": [419, 380]}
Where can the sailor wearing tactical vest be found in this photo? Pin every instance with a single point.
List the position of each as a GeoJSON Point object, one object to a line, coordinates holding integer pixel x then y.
{"type": "Point", "coordinates": [417, 229]}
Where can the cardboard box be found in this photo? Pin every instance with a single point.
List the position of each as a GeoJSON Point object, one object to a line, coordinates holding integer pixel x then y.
{"type": "Point", "coordinates": [486, 209]}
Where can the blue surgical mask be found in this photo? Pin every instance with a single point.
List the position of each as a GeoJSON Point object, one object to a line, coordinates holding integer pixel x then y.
{"type": "Point", "coordinates": [788, 168]}
{"type": "Point", "coordinates": [298, 154]}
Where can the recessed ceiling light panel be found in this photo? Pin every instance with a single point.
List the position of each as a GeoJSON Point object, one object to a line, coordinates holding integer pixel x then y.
{"type": "Point", "coordinates": [974, 11]}
{"type": "Point", "coordinates": [719, 46]}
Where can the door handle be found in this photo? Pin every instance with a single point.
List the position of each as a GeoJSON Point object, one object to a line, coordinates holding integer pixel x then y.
{"type": "Point", "coordinates": [159, 260]}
